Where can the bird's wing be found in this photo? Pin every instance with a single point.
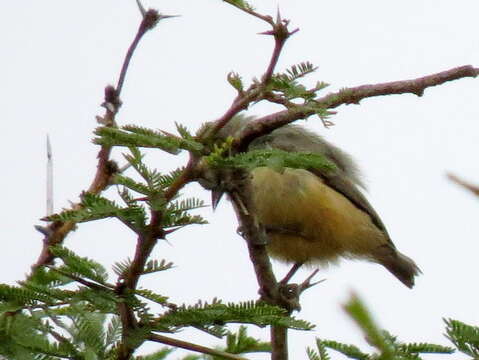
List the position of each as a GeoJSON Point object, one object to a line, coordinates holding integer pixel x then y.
{"type": "Point", "coordinates": [344, 179]}
{"type": "Point", "coordinates": [342, 184]}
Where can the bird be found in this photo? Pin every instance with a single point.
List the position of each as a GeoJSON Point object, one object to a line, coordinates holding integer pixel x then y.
{"type": "Point", "coordinates": [317, 216]}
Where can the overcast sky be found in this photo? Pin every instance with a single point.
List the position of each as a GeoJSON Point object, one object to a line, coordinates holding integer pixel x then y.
{"type": "Point", "coordinates": [57, 57]}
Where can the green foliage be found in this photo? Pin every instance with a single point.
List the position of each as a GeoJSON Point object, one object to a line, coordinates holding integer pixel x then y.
{"type": "Point", "coordinates": [137, 136]}
{"type": "Point", "coordinates": [235, 80]}
{"type": "Point", "coordinates": [360, 314]}
{"type": "Point", "coordinates": [177, 214]}
{"type": "Point", "coordinates": [387, 346]}
{"type": "Point", "coordinates": [238, 342]}
{"type": "Point", "coordinates": [240, 4]}
{"type": "Point", "coordinates": [154, 265]}
{"type": "Point", "coordinates": [184, 132]}
{"type": "Point", "coordinates": [350, 351]}
{"type": "Point", "coordinates": [150, 295]}
{"type": "Point", "coordinates": [203, 315]}
{"type": "Point", "coordinates": [287, 84]}
{"type": "Point", "coordinates": [321, 354]}
{"type": "Point", "coordinates": [80, 266]}
{"type": "Point", "coordinates": [298, 71]}
{"type": "Point", "coordinates": [273, 158]}
{"type": "Point", "coordinates": [41, 320]}
{"type": "Point", "coordinates": [464, 337]}
{"type": "Point", "coordinates": [121, 268]}
{"type": "Point", "coordinates": [13, 297]}
{"type": "Point", "coordinates": [157, 355]}
{"type": "Point", "coordinates": [96, 207]}
{"type": "Point", "coordinates": [84, 323]}
{"type": "Point", "coordinates": [36, 335]}
{"type": "Point", "coordinates": [241, 343]}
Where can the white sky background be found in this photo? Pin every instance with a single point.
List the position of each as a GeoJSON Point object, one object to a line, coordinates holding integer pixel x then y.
{"type": "Point", "coordinates": [57, 57]}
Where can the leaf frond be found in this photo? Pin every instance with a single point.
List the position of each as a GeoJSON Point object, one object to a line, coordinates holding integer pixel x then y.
{"type": "Point", "coordinates": [350, 351]}
{"type": "Point", "coordinates": [241, 343]}
{"type": "Point", "coordinates": [241, 4]}
{"type": "Point", "coordinates": [465, 337]}
{"type": "Point", "coordinates": [273, 158]}
{"type": "Point", "coordinates": [84, 266]}
{"type": "Point", "coordinates": [135, 136]}
{"type": "Point", "coordinates": [203, 314]}
{"type": "Point", "coordinates": [154, 265]}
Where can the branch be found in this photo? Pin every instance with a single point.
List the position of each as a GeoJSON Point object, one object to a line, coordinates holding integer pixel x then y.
{"type": "Point", "coordinates": [471, 187]}
{"type": "Point", "coordinates": [144, 246]}
{"type": "Point", "coordinates": [281, 34]}
{"type": "Point", "coordinates": [255, 236]}
{"type": "Point", "coordinates": [84, 282]}
{"type": "Point", "coordinates": [270, 290]}
{"type": "Point", "coordinates": [414, 86]}
{"type": "Point", "coordinates": [256, 91]}
{"type": "Point", "coordinates": [249, 10]}
{"type": "Point", "coordinates": [150, 18]}
{"type": "Point", "coordinates": [56, 232]}
{"type": "Point", "coordinates": [193, 347]}
{"type": "Point", "coordinates": [279, 342]}
{"type": "Point", "coordinates": [354, 95]}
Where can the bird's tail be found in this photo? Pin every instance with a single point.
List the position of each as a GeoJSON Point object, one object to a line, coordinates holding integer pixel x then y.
{"type": "Point", "coordinates": [402, 267]}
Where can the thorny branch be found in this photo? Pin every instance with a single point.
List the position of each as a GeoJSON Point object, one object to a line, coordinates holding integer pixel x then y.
{"type": "Point", "coordinates": [354, 95]}
{"type": "Point", "coordinates": [280, 33]}
{"type": "Point", "coordinates": [56, 232]}
{"type": "Point", "coordinates": [256, 92]}
{"type": "Point", "coordinates": [193, 347]}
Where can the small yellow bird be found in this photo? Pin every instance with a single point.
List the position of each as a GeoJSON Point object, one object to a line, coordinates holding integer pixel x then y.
{"type": "Point", "coordinates": [317, 216]}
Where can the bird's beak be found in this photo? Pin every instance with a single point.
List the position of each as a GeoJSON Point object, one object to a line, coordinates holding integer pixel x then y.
{"type": "Point", "coordinates": [216, 196]}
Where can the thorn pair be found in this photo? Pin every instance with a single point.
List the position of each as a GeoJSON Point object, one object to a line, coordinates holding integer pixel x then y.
{"type": "Point", "coordinates": [306, 284]}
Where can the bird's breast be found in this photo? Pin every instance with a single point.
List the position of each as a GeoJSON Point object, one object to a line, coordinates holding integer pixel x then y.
{"type": "Point", "coordinates": [308, 221]}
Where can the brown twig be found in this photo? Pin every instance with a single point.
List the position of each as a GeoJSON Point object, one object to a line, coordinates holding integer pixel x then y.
{"type": "Point", "coordinates": [256, 91]}
{"type": "Point", "coordinates": [291, 273]}
{"type": "Point", "coordinates": [89, 284]}
{"type": "Point", "coordinates": [307, 284]}
{"type": "Point", "coordinates": [250, 11]}
{"type": "Point", "coordinates": [266, 124]}
{"type": "Point", "coordinates": [270, 290]}
{"type": "Point", "coordinates": [240, 103]}
{"type": "Point", "coordinates": [254, 235]}
{"type": "Point", "coordinates": [281, 34]}
{"type": "Point", "coordinates": [150, 19]}
{"type": "Point", "coordinates": [193, 347]}
{"type": "Point", "coordinates": [144, 246]}
{"type": "Point", "coordinates": [413, 86]}
{"type": "Point", "coordinates": [279, 342]}
{"type": "Point", "coordinates": [467, 185]}
{"type": "Point", "coordinates": [56, 232]}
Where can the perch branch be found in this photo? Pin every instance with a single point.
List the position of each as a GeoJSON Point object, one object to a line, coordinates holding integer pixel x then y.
{"type": "Point", "coordinates": [193, 347]}
{"type": "Point", "coordinates": [354, 95]}
{"type": "Point", "coordinates": [56, 232]}
{"type": "Point", "coordinates": [256, 92]}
